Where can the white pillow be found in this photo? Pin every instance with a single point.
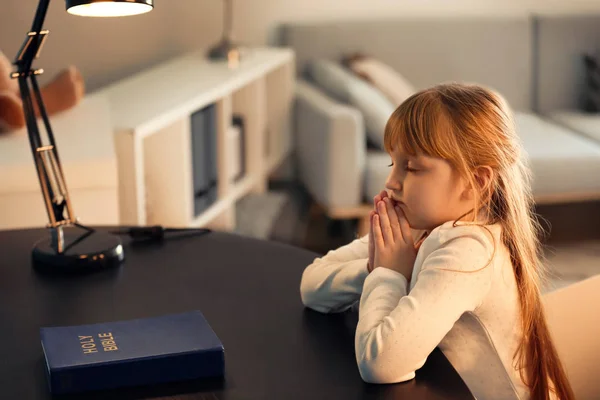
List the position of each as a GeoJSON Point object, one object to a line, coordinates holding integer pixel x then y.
{"type": "Point", "coordinates": [375, 108]}
{"type": "Point", "coordinates": [334, 79]}
{"type": "Point", "coordinates": [340, 83]}
{"type": "Point", "coordinates": [393, 85]}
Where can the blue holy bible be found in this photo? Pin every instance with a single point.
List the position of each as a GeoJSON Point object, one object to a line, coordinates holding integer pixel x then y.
{"type": "Point", "coordinates": [136, 352]}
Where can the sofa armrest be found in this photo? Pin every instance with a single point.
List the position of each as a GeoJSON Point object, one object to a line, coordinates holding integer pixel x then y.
{"type": "Point", "coordinates": [330, 146]}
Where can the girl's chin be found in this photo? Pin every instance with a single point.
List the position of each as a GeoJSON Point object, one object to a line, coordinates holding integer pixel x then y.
{"type": "Point", "coordinates": [414, 225]}
{"type": "Point", "coordinates": [418, 225]}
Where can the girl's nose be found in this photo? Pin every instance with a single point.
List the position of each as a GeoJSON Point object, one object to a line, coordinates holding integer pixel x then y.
{"type": "Point", "coordinates": [393, 185]}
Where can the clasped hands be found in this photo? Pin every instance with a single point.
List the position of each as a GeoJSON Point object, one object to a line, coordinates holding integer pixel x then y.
{"type": "Point", "coordinates": [391, 244]}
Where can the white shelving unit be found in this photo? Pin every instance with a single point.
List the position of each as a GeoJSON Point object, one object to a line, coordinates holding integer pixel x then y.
{"type": "Point", "coordinates": [151, 113]}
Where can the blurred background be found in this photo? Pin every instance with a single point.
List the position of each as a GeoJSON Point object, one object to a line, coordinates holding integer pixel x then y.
{"type": "Point", "coordinates": [123, 46]}
{"type": "Point", "coordinates": [352, 62]}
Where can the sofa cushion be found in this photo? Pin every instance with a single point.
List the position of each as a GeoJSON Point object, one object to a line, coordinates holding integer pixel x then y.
{"type": "Point", "coordinates": [385, 78]}
{"type": "Point", "coordinates": [342, 84]}
{"type": "Point", "coordinates": [585, 123]}
{"type": "Point", "coordinates": [332, 78]}
{"type": "Point", "coordinates": [562, 161]}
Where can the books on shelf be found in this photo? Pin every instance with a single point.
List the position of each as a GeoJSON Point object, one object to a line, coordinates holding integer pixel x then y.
{"type": "Point", "coordinates": [204, 157]}
{"type": "Point", "coordinates": [137, 352]}
{"type": "Point", "coordinates": [170, 175]}
{"type": "Point", "coordinates": [236, 141]}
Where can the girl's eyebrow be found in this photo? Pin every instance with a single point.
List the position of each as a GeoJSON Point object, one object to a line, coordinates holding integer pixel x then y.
{"type": "Point", "coordinates": [403, 156]}
{"type": "Point", "coordinates": [397, 152]}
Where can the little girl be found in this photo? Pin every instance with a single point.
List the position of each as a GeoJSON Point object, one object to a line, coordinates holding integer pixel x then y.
{"type": "Point", "coordinates": [470, 283]}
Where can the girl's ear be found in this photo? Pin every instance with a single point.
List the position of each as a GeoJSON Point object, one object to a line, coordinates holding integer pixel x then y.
{"type": "Point", "coordinates": [484, 176]}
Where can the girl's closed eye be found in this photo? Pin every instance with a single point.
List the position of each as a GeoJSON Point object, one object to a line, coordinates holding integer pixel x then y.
{"type": "Point", "coordinates": [407, 167]}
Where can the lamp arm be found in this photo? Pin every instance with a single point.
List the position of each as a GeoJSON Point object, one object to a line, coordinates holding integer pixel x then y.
{"type": "Point", "coordinates": [46, 159]}
{"type": "Point", "coordinates": [227, 20]}
{"type": "Point", "coordinates": [40, 15]}
{"type": "Point", "coordinates": [66, 250]}
{"type": "Point", "coordinates": [29, 51]}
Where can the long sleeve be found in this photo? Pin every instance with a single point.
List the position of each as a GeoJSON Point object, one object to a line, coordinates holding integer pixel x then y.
{"type": "Point", "coordinates": [334, 282]}
{"type": "Point", "coordinates": [396, 330]}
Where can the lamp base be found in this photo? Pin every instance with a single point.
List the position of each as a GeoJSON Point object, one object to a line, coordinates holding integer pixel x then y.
{"type": "Point", "coordinates": [82, 252]}
{"type": "Point", "coordinates": [224, 50]}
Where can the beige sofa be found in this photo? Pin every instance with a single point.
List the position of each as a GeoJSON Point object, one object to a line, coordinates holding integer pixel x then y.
{"type": "Point", "coordinates": [334, 160]}
{"type": "Point", "coordinates": [85, 144]}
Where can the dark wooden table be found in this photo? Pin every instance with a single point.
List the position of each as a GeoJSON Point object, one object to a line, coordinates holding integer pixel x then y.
{"type": "Point", "coordinates": [247, 289]}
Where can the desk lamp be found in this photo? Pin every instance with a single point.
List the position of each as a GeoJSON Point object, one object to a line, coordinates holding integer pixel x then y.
{"type": "Point", "coordinates": [70, 246]}
{"type": "Point", "coordinates": [226, 49]}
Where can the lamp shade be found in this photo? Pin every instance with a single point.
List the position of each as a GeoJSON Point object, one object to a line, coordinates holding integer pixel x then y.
{"type": "Point", "coordinates": [108, 8]}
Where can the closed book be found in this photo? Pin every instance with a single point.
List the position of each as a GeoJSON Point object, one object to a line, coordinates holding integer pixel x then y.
{"type": "Point", "coordinates": [135, 352]}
